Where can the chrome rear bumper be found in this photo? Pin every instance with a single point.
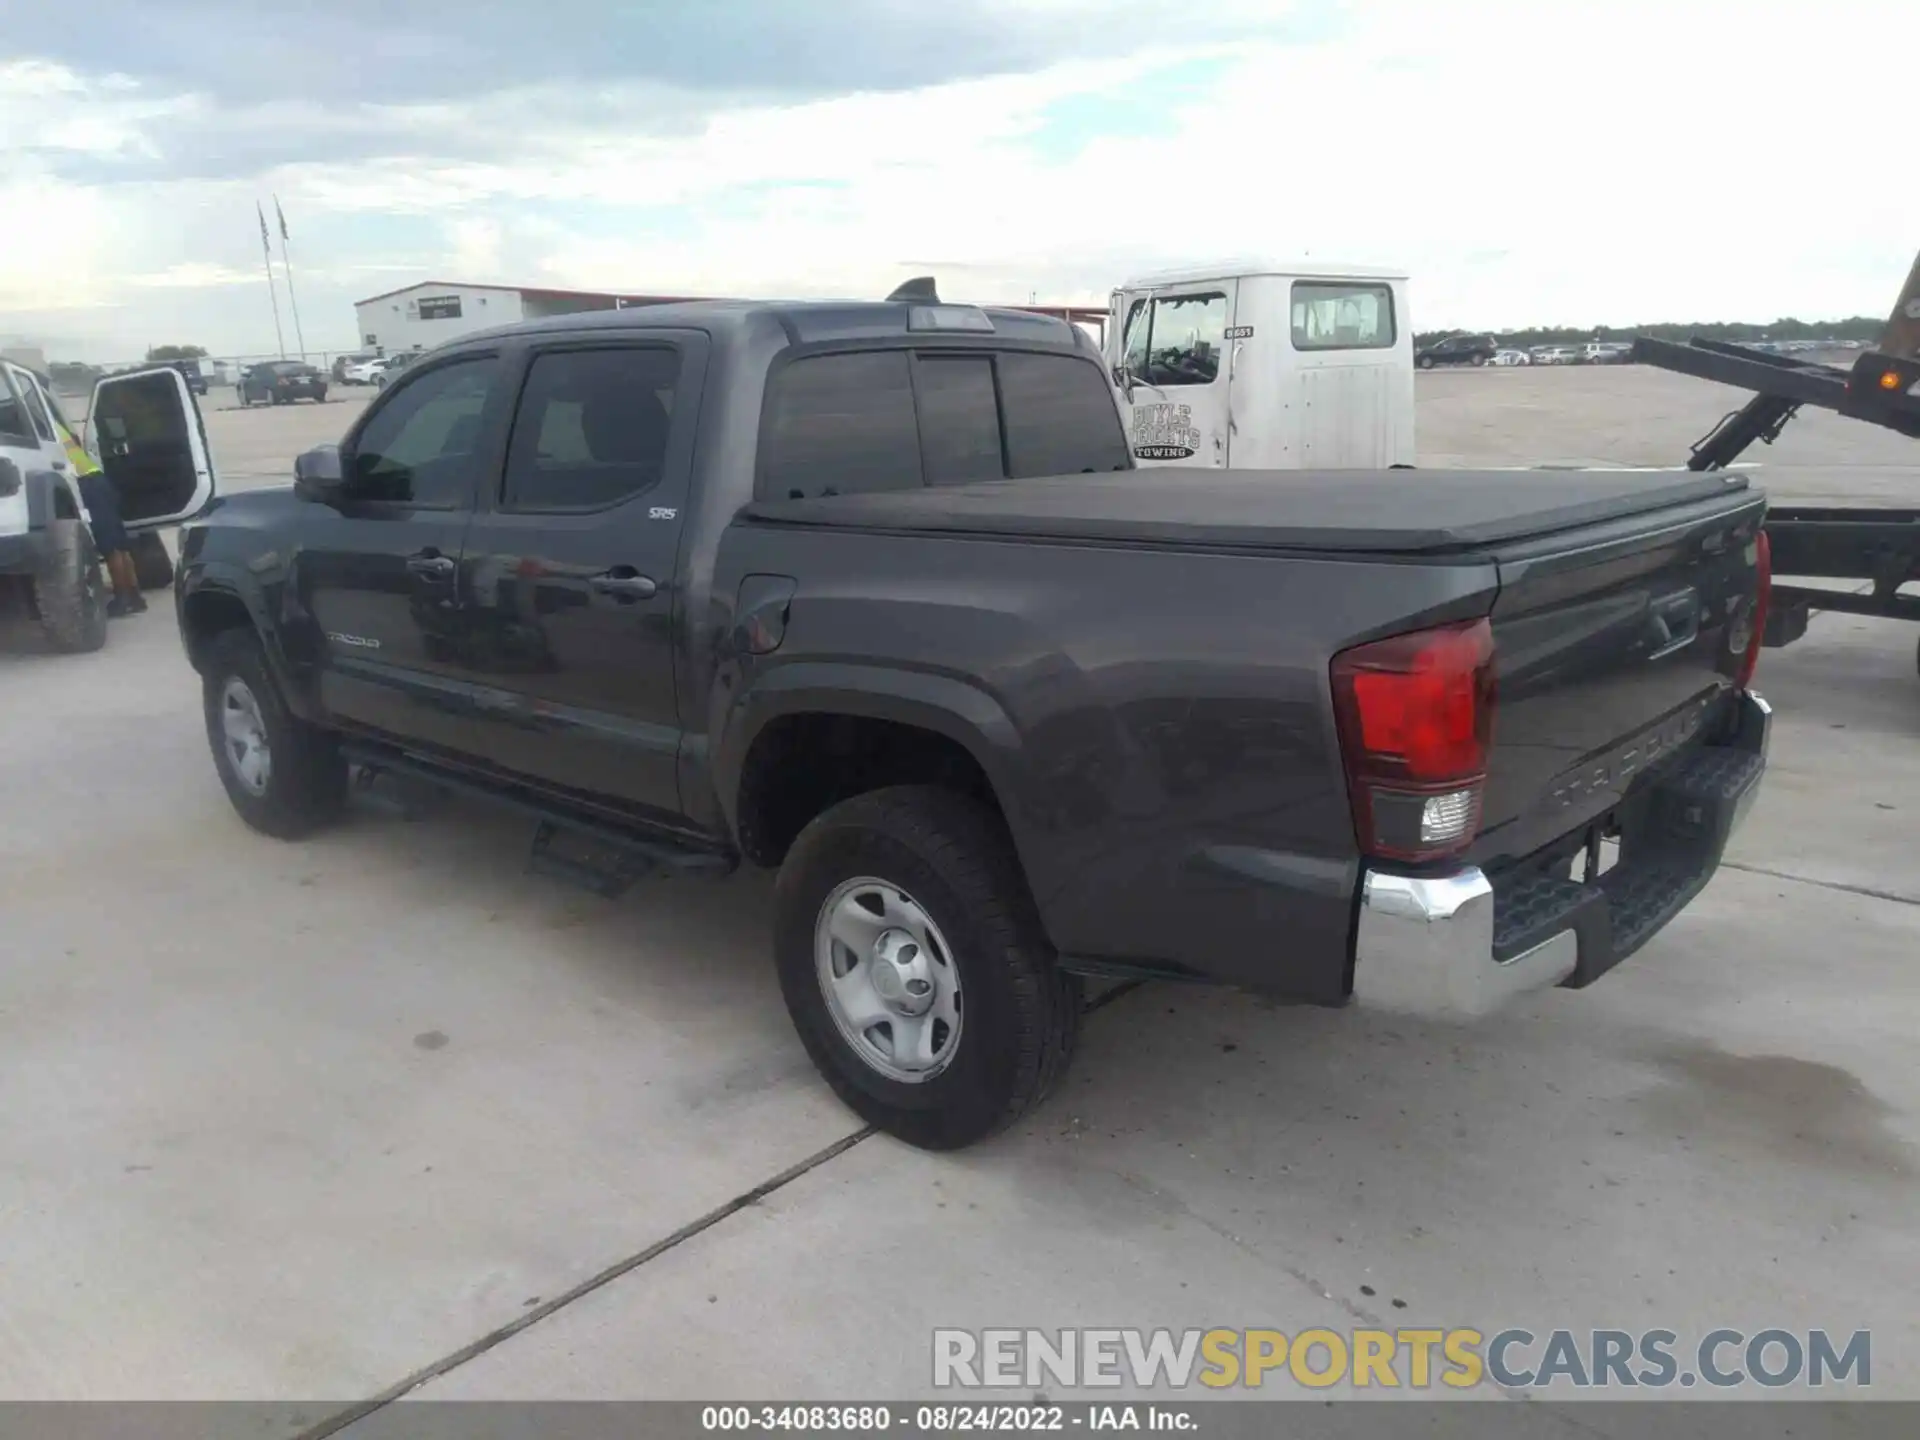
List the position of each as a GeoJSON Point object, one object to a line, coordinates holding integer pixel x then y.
{"type": "Point", "coordinates": [1432, 945]}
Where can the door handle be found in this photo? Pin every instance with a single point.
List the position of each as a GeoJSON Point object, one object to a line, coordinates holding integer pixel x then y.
{"type": "Point", "coordinates": [625, 584]}
{"type": "Point", "coordinates": [430, 566]}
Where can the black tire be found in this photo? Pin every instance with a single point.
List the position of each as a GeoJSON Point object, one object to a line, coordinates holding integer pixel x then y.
{"type": "Point", "coordinates": [1425, 362]}
{"type": "Point", "coordinates": [1021, 1013]}
{"type": "Point", "coordinates": [306, 784]}
{"type": "Point", "coordinates": [152, 565]}
{"type": "Point", "coordinates": [68, 595]}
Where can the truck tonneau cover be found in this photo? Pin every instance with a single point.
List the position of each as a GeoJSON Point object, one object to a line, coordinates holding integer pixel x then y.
{"type": "Point", "coordinates": [1365, 511]}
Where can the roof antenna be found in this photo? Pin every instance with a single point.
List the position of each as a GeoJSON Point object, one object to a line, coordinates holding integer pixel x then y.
{"type": "Point", "coordinates": [918, 290]}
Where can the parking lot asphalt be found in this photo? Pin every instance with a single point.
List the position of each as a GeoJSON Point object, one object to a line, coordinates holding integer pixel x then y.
{"type": "Point", "coordinates": [321, 1120]}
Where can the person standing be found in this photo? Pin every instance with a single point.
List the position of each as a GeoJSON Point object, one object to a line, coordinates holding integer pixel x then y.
{"type": "Point", "coordinates": [103, 519]}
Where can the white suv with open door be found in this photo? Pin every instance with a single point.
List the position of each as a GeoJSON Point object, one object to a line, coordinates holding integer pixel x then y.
{"type": "Point", "coordinates": [147, 433]}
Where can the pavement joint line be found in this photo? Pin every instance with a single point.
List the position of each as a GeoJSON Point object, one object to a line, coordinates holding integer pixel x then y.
{"type": "Point", "coordinates": [359, 1411]}
{"type": "Point", "coordinates": [353, 1414]}
{"type": "Point", "coordinates": [1867, 890]}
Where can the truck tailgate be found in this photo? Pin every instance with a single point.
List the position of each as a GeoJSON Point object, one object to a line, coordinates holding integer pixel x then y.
{"type": "Point", "coordinates": [1615, 647]}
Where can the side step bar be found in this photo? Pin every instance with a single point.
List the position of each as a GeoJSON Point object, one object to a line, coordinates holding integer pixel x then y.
{"type": "Point", "coordinates": [595, 854]}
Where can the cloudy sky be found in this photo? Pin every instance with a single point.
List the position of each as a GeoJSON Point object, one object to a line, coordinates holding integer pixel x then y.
{"type": "Point", "coordinates": [1554, 161]}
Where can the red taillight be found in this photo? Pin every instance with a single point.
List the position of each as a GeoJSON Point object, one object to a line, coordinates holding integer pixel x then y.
{"type": "Point", "coordinates": [1762, 596]}
{"type": "Point", "coordinates": [1416, 717]}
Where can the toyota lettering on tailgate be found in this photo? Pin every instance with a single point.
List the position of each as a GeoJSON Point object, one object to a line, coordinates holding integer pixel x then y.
{"type": "Point", "coordinates": [1613, 771]}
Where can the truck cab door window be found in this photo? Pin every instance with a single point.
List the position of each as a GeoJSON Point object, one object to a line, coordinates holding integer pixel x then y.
{"type": "Point", "coordinates": [592, 428]}
{"type": "Point", "coordinates": [36, 409]}
{"type": "Point", "coordinates": [1139, 327]}
{"type": "Point", "coordinates": [14, 424]}
{"type": "Point", "coordinates": [420, 447]}
{"type": "Point", "coordinates": [840, 424]}
{"type": "Point", "coordinates": [1187, 336]}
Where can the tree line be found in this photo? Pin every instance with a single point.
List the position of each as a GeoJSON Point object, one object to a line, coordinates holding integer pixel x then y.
{"type": "Point", "coordinates": [1858, 327]}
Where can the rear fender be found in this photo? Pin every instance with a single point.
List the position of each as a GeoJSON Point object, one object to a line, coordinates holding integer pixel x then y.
{"type": "Point", "coordinates": [961, 712]}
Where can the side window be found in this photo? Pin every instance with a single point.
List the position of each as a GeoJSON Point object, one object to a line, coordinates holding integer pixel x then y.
{"type": "Point", "coordinates": [837, 424]}
{"type": "Point", "coordinates": [417, 449]}
{"type": "Point", "coordinates": [1139, 322]}
{"type": "Point", "coordinates": [1060, 416]}
{"type": "Point", "coordinates": [1188, 332]}
{"type": "Point", "coordinates": [1334, 316]}
{"type": "Point", "coordinates": [959, 419]}
{"type": "Point", "coordinates": [14, 424]}
{"type": "Point", "coordinates": [143, 413]}
{"type": "Point", "coordinates": [36, 409]}
{"type": "Point", "coordinates": [591, 429]}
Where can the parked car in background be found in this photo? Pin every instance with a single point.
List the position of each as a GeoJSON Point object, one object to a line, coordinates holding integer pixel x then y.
{"type": "Point", "coordinates": [395, 365]}
{"type": "Point", "coordinates": [342, 363]}
{"type": "Point", "coordinates": [1458, 350]}
{"type": "Point", "coordinates": [1511, 357]}
{"type": "Point", "coordinates": [363, 372]}
{"type": "Point", "coordinates": [1604, 352]}
{"type": "Point", "coordinates": [1554, 355]}
{"type": "Point", "coordinates": [196, 377]}
{"type": "Point", "coordinates": [281, 382]}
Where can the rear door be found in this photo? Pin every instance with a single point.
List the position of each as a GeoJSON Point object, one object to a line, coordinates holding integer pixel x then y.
{"type": "Point", "coordinates": [569, 576]}
{"type": "Point", "coordinates": [1349, 400]}
{"type": "Point", "coordinates": [1176, 346]}
{"type": "Point", "coordinates": [146, 430]}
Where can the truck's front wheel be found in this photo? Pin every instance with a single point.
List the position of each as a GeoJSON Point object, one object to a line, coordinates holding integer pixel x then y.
{"type": "Point", "coordinates": [67, 594]}
{"type": "Point", "coordinates": [915, 967]}
{"type": "Point", "coordinates": [284, 776]}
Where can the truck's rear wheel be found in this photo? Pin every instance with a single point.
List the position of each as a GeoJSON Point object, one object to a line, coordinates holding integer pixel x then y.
{"type": "Point", "coordinates": [915, 967]}
{"type": "Point", "coordinates": [152, 565]}
{"type": "Point", "coordinates": [68, 595]}
{"type": "Point", "coordinates": [284, 776]}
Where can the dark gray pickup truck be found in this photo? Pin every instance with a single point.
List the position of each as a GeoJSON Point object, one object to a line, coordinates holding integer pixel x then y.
{"type": "Point", "coordinates": [872, 593]}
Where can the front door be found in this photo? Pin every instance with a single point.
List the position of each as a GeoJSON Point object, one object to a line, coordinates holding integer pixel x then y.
{"type": "Point", "coordinates": [376, 572]}
{"type": "Point", "coordinates": [569, 576]}
{"type": "Point", "coordinates": [147, 432]}
{"type": "Point", "coordinates": [1177, 361]}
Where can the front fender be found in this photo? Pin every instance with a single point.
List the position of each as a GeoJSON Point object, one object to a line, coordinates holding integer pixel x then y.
{"type": "Point", "coordinates": [232, 582]}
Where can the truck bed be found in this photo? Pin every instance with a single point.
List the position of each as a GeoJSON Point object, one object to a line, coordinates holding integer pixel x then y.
{"type": "Point", "coordinates": [1439, 513]}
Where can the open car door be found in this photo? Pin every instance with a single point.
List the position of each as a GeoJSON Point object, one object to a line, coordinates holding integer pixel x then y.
{"type": "Point", "coordinates": [146, 429]}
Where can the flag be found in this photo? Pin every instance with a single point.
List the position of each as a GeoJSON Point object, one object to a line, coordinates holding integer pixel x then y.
{"type": "Point", "coordinates": [266, 244]}
{"type": "Point", "coordinates": [280, 215]}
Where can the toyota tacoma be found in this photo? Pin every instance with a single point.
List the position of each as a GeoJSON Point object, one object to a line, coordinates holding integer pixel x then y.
{"type": "Point", "coordinates": [872, 593]}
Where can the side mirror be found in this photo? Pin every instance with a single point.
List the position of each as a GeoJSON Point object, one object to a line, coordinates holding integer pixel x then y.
{"type": "Point", "coordinates": [1123, 380]}
{"type": "Point", "coordinates": [9, 477]}
{"type": "Point", "coordinates": [317, 476]}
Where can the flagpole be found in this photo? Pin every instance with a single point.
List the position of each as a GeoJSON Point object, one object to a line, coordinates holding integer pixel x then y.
{"type": "Point", "coordinates": [286, 257]}
{"type": "Point", "coordinates": [273, 294]}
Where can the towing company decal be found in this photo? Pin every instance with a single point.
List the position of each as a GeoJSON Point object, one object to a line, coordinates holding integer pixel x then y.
{"type": "Point", "coordinates": [1164, 432]}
